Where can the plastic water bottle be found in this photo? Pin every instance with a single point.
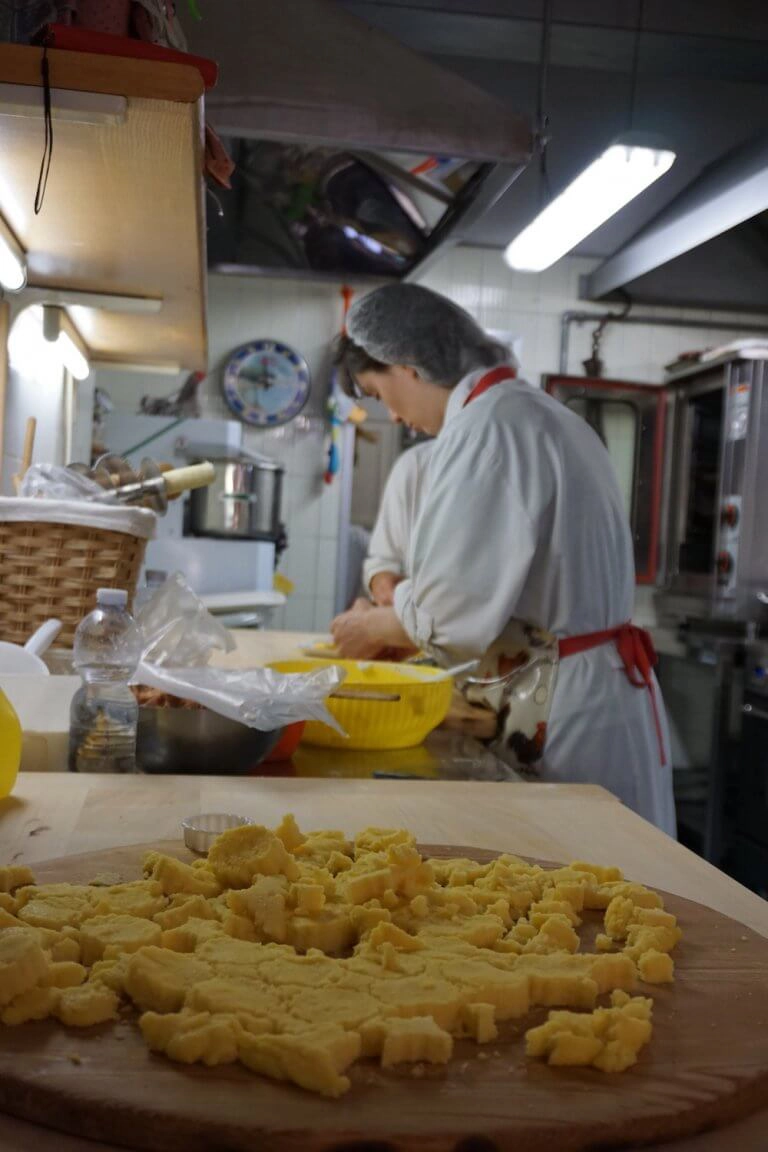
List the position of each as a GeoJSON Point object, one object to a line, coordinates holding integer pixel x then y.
{"type": "Point", "coordinates": [104, 713]}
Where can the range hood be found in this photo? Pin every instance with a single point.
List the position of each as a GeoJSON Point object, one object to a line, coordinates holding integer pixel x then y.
{"type": "Point", "coordinates": [356, 155]}
{"type": "Point", "coordinates": [708, 248]}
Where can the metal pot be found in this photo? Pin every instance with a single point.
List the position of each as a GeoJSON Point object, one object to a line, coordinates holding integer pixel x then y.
{"type": "Point", "coordinates": [242, 503]}
{"type": "Point", "coordinates": [196, 741]}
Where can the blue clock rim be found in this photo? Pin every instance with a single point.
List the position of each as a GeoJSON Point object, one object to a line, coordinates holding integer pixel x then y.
{"type": "Point", "coordinates": [249, 413]}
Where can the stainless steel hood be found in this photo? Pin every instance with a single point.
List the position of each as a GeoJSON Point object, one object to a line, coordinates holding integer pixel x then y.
{"type": "Point", "coordinates": [707, 248]}
{"type": "Point", "coordinates": [339, 129]}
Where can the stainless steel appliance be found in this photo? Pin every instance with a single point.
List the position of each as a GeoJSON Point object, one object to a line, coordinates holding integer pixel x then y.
{"type": "Point", "coordinates": [748, 849]}
{"type": "Point", "coordinates": [236, 572]}
{"type": "Point", "coordinates": [715, 555]}
{"type": "Point", "coordinates": [630, 420]}
{"type": "Point", "coordinates": [692, 458]}
{"type": "Point", "coordinates": [243, 502]}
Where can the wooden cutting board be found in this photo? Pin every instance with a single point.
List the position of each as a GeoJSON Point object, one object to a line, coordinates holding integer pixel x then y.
{"type": "Point", "coordinates": [706, 1064]}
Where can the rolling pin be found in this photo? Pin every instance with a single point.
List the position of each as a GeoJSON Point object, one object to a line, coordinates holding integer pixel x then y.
{"type": "Point", "coordinates": [26, 455]}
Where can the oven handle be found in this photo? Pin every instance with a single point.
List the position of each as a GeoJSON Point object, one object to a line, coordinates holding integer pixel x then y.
{"type": "Point", "coordinates": [755, 713]}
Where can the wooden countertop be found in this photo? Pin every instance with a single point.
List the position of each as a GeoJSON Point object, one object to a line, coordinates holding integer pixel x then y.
{"type": "Point", "coordinates": [56, 814]}
{"type": "Point", "coordinates": [255, 646]}
{"type": "Point", "coordinates": [53, 815]}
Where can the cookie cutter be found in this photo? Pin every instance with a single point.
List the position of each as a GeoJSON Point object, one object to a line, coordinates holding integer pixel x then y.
{"type": "Point", "coordinates": [200, 831]}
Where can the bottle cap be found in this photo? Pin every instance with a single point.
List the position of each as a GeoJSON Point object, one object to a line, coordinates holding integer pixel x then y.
{"type": "Point", "coordinates": [112, 598]}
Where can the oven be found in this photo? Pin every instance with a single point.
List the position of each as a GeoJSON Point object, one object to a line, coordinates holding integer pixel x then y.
{"type": "Point", "coordinates": [748, 848]}
{"type": "Point", "coordinates": [630, 420]}
{"type": "Point", "coordinates": [715, 539]}
{"type": "Point", "coordinates": [691, 457]}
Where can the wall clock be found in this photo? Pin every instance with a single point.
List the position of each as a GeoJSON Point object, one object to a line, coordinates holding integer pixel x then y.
{"type": "Point", "coordinates": [266, 383]}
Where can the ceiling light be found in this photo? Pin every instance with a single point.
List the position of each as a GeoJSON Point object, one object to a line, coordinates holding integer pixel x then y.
{"type": "Point", "coordinates": [59, 330]}
{"type": "Point", "coordinates": [622, 172]}
{"type": "Point", "coordinates": [13, 264]}
{"type": "Point", "coordinates": [44, 340]}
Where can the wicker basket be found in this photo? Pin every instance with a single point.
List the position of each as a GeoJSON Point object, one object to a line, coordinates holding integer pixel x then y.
{"type": "Point", "coordinates": [54, 557]}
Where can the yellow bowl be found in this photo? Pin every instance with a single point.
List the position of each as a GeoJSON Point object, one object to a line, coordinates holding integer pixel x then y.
{"type": "Point", "coordinates": [424, 698]}
{"type": "Point", "coordinates": [361, 764]}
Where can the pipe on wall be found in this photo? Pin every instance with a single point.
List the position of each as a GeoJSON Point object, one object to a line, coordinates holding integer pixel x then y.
{"type": "Point", "coordinates": [575, 316]}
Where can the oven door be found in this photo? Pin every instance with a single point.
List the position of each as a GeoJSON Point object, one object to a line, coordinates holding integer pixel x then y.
{"type": "Point", "coordinates": [695, 482]}
{"type": "Point", "coordinates": [629, 418]}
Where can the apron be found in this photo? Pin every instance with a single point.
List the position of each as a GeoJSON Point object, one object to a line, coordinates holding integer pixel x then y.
{"type": "Point", "coordinates": [516, 676]}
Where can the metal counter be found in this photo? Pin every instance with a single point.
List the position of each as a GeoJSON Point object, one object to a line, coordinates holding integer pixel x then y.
{"type": "Point", "coordinates": [446, 754]}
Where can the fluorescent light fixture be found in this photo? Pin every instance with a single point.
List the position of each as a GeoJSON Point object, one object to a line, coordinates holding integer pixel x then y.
{"type": "Point", "coordinates": [622, 172]}
{"type": "Point", "coordinates": [13, 264]}
{"type": "Point", "coordinates": [59, 330]}
{"type": "Point", "coordinates": [74, 360]}
{"type": "Point", "coordinates": [44, 340]}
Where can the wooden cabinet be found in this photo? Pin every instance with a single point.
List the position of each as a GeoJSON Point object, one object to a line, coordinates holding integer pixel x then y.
{"type": "Point", "coordinates": [124, 212]}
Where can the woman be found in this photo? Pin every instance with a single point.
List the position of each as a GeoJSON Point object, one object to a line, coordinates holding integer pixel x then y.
{"type": "Point", "coordinates": [521, 554]}
{"type": "Point", "coordinates": [387, 561]}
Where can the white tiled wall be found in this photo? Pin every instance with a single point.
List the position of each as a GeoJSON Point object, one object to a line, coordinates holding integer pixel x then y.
{"type": "Point", "coordinates": [530, 306]}
{"type": "Point", "coordinates": [307, 316]}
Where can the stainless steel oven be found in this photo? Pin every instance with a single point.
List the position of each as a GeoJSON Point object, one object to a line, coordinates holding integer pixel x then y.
{"type": "Point", "coordinates": [692, 459]}
{"type": "Point", "coordinates": [630, 420]}
{"type": "Point", "coordinates": [715, 539]}
{"type": "Point", "coordinates": [748, 848]}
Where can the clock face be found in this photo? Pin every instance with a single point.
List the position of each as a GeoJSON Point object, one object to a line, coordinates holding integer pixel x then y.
{"type": "Point", "coordinates": [266, 383]}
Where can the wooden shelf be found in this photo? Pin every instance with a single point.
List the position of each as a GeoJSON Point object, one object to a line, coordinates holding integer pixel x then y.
{"type": "Point", "coordinates": [124, 211]}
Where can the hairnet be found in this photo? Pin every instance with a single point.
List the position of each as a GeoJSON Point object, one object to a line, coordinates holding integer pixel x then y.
{"type": "Point", "coordinates": [408, 324]}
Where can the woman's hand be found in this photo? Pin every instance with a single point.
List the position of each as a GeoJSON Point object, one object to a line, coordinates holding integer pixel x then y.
{"type": "Point", "coordinates": [354, 632]}
{"type": "Point", "coordinates": [383, 586]}
{"type": "Point", "coordinates": [364, 631]}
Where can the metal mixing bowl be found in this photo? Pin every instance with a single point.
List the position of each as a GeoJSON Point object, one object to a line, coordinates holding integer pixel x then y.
{"type": "Point", "coordinates": [196, 741]}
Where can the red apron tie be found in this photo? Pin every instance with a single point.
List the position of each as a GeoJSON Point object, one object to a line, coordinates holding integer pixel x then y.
{"type": "Point", "coordinates": [495, 376]}
{"type": "Point", "coordinates": [638, 655]}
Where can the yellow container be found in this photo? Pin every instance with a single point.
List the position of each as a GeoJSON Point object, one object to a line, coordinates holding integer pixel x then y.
{"type": "Point", "coordinates": [10, 746]}
{"type": "Point", "coordinates": [365, 764]}
{"type": "Point", "coordinates": [424, 698]}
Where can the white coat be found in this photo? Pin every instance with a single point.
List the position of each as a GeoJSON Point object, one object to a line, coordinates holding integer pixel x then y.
{"type": "Point", "coordinates": [400, 501]}
{"type": "Point", "coordinates": [522, 518]}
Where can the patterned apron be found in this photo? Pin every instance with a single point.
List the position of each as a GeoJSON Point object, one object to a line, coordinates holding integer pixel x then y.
{"type": "Point", "coordinates": [516, 679]}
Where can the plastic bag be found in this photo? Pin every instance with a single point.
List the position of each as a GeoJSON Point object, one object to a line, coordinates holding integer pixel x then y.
{"type": "Point", "coordinates": [259, 697]}
{"type": "Point", "coordinates": [179, 635]}
{"type": "Point", "coordinates": [177, 630]}
{"type": "Point", "coordinates": [52, 482]}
